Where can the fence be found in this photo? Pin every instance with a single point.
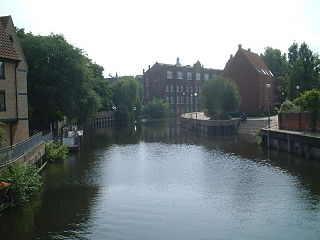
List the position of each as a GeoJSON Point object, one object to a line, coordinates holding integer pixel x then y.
{"type": "Point", "coordinates": [10, 153]}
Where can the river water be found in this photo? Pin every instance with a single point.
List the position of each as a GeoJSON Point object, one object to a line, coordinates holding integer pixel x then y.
{"type": "Point", "coordinates": [155, 181]}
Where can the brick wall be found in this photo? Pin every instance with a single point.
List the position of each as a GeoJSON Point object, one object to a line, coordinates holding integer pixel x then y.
{"type": "Point", "coordinates": [296, 121]}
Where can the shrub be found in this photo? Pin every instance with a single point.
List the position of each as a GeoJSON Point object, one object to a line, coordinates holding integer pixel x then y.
{"type": "Point", "coordinates": [56, 151]}
{"type": "Point", "coordinates": [24, 180]}
{"type": "Point", "coordinates": [289, 106]}
{"type": "Point", "coordinates": [157, 108]}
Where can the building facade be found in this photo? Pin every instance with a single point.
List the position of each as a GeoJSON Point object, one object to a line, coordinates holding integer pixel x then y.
{"type": "Point", "coordinates": [256, 83]}
{"type": "Point", "coordinates": [178, 85]}
{"type": "Point", "coordinates": [13, 85]}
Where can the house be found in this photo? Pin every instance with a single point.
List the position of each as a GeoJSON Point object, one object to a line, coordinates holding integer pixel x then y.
{"type": "Point", "coordinates": [254, 79]}
{"type": "Point", "coordinates": [13, 85]}
{"type": "Point", "coordinates": [176, 84]}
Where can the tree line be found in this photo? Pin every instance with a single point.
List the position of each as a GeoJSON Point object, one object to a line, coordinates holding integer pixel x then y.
{"type": "Point", "coordinates": [296, 71]}
{"type": "Point", "coordinates": [64, 81]}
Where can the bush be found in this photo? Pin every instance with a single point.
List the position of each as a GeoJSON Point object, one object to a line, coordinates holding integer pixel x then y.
{"type": "Point", "coordinates": [156, 108]}
{"type": "Point", "coordinates": [289, 106]}
{"type": "Point", "coordinates": [56, 151]}
{"type": "Point", "coordinates": [24, 180]}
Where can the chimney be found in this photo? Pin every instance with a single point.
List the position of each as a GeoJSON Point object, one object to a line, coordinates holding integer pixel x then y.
{"type": "Point", "coordinates": [231, 56]}
{"type": "Point", "coordinates": [239, 46]}
{"type": "Point", "coordinates": [249, 49]}
{"type": "Point", "coordinates": [143, 71]}
{"type": "Point", "coordinates": [178, 62]}
{"type": "Point", "coordinates": [148, 66]}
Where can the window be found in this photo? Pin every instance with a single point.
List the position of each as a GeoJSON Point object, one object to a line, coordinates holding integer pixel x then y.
{"type": "Point", "coordinates": [198, 76]}
{"type": "Point", "coordinates": [172, 88]}
{"type": "Point", "coordinates": [189, 76]}
{"type": "Point", "coordinates": [172, 100]}
{"type": "Point", "coordinates": [191, 100]}
{"type": "Point", "coordinates": [1, 69]}
{"type": "Point", "coordinates": [167, 88]}
{"type": "Point", "coordinates": [179, 75]}
{"type": "Point", "coordinates": [147, 93]}
{"type": "Point", "coordinates": [191, 90]}
{"type": "Point", "coordinates": [182, 100]}
{"type": "Point", "coordinates": [187, 99]}
{"type": "Point", "coordinates": [181, 88]}
{"type": "Point", "coordinates": [167, 99]}
{"type": "Point", "coordinates": [147, 82]}
{"type": "Point", "coordinates": [178, 100]}
{"type": "Point", "coordinates": [206, 76]}
{"type": "Point", "coordinates": [177, 88]}
{"type": "Point", "coordinates": [187, 88]}
{"type": "Point", "coordinates": [2, 100]}
{"type": "Point", "coordinates": [169, 75]}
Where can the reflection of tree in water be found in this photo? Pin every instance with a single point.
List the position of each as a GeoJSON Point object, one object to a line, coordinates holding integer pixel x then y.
{"type": "Point", "coordinates": [18, 223]}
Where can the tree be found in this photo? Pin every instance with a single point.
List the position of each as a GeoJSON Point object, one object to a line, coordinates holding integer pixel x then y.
{"type": "Point", "coordinates": [128, 98]}
{"type": "Point", "coordinates": [62, 81]}
{"type": "Point", "coordinates": [310, 102]}
{"type": "Point", "coordinates": [277, 63]}
{"type": "Point", "coordinates": [303, 69]}
{"type": "Point", "coordinates": [220, 96]}
{"type": "Point", "coordinates": [157, 108]}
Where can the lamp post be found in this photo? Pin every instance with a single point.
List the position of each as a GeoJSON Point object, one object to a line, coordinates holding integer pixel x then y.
{"type": "Point", "coordinates": [196, 94]}
{"type": "Point", "coordinates": [134, 113]}
{"type": "Point", "coordinates": [268, 87]}
{"type": "Point", "coordinates": [298, 88]}
{"type": "Point", "coordinates": [184, 101]}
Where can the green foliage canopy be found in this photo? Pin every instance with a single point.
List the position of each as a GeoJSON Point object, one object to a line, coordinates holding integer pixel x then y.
{"type": "Point", "coordinates": [310, 102]}
{"type": "Point", "coordinates": [128, 98]}
{"type": "Point", "coordinates": [156, 108]}
{"type": "Point", "coordinates": [62, 81]}
{"type": "Point", "coordinates": [56, 151]}
{"type": "Point", "coordinates": [220, 96]}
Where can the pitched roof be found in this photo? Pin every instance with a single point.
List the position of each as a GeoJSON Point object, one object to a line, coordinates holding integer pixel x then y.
{"type": "Point", "coordinates": [7, 50]}
{"type": "Point", "coordinates": [4, 20]}
{"type": "Point", "coordinates": [255, 61]}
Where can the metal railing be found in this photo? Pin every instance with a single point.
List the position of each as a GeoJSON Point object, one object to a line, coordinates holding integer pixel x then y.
{"type": "Point", "coordinates": [10, 153]}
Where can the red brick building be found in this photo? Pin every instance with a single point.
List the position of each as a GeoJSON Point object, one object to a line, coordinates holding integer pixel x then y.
{"type": "Point", "coordinates": [178, 85]}
{"type": "Point", "coordinates": [254, 79]}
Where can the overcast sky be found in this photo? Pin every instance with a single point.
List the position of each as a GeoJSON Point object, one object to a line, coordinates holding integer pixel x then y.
{"type": "Point", "coordinates": [126, 36]}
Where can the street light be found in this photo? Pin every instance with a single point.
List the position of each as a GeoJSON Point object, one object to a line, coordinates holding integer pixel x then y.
{"type": "Point", "coordinates": [196, 94]}
{"type": "Point", "coordinates": [184, 101]}
{"type": "Point", "coordinates": [268, 85]}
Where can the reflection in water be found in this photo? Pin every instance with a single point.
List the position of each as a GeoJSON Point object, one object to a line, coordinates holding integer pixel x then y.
{"type": "Point", "coordinates": [157, 181]}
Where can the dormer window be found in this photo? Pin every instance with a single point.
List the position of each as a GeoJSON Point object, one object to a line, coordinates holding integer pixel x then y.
{"type": "Point", "coordinates": [1, 69]}
{"type": "Point", "coordinates": [169, 75]}
{"type": "Point", "coordinates": [189, 76]}
{"type": "Point", "coordinates": [179, 75]}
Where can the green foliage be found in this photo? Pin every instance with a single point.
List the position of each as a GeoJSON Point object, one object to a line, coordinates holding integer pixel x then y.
{"type": "Point", "coordinates": [310, 102]}
{"type": "Point", "coordinates": [56, 151]}
{"type": "Point", "coordinates": [64, 78]}
{"type": "Point", "coordinates": [1, 133]}
{"type": "Point", "coordinates": [303, 69]}
{"type": "Point", "coordinates": [24, 179]}
{"type": "Point", "coordinates": [128, 98]}
{"type": "Point", "coordinates": [288, 106]}
{"type": "Point", "coordinates": [157, 108]}
{"type": "Point", "coordinates": [220, 96]}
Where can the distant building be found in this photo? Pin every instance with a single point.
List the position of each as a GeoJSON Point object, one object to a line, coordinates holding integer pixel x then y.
{"type": "Point", "coordinates": [13, 85]}
{"type": "Point", "coordinates": [178, 85]}
{"type": "Point", "coordinates": [254, 79]}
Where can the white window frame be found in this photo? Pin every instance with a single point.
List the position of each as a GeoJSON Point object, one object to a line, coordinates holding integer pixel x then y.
{"type": "Point", "coordinates": [169, 75]}
{"type": "Point", "coordinates": [206, 76]}
{"type": "Point", "coordinates": [179, 75]}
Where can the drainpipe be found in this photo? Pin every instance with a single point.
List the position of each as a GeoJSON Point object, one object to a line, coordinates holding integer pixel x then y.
{"type": "Point", "coordinates": [16, 84]}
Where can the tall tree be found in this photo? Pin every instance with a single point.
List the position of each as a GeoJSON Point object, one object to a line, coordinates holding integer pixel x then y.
{"type": "Point", "coordinates": [128, 98]}
{"type": "Point", "coordinates": [220, 96]}
{"type": "Point", "coordinates": [303, 70]}
{"type": "Point", "coordinates": [277, 63]}
{"type": "Point", "coordinates": [62, 80]}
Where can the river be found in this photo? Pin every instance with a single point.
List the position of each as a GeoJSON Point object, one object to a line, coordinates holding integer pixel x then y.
{"type": "Point", "coordinates": [156, 181]}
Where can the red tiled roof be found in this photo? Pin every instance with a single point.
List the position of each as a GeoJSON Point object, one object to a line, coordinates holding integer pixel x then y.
{"type": "Point", "coordinates": [7, 50]}
{"type": "Point", "coordinates": [256, 62]}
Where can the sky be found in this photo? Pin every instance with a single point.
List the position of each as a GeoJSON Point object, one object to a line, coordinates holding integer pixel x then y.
{"type": "Point", "coordinates": [125, 36]}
